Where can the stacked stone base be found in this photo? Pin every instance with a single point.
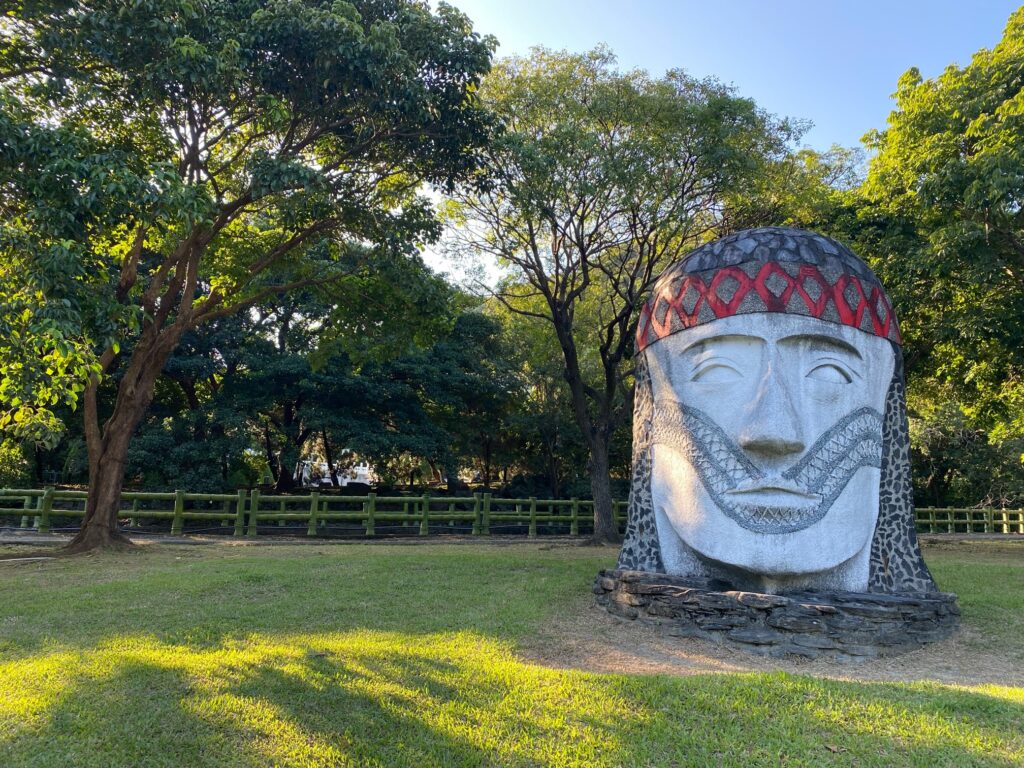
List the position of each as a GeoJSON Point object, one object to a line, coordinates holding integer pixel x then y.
{"type": "Point", "coordinates": [846, 626]}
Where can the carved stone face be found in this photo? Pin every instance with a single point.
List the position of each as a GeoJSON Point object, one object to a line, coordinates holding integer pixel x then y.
{"type": "Point", "coordinates": [767, 443]}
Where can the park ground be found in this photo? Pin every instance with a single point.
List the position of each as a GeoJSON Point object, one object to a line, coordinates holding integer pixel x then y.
{"type": "Point", "coordinates": [464, 655]}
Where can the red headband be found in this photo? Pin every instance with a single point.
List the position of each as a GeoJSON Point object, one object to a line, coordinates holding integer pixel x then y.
{"type": "Point", "coordinates": [828, 292]}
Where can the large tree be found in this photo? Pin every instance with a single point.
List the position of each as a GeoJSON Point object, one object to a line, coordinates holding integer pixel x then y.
{"type": "Point", "coordinates": [599, 180]}
{"type": "Point", "coordinates": [168, 162]}
{"type": "Point", "coordinates": [941, 217]}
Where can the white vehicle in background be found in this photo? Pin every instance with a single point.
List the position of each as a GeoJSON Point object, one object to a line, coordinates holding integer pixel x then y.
{"type": "Point", "coordinates": [316, 474]}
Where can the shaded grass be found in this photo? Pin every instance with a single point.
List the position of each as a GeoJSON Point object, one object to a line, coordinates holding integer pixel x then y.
{"type": "Point", "coordinates": [405, 656]}
{"type": "Point", "coordinates": [988, 577]}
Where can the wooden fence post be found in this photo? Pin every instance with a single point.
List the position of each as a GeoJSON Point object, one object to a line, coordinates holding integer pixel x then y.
{"type": "Point", "coordinates": [179, 510]}
{"type": "Point", "coordinates": [574, 526]}
{"type": "Point", "coordinates": [425, 515]}
{"type": "Point", "coordinates": [371, 510]}
{"type": "Point", "coordinates": [476, 514]}
{"type": "Point", "coordinates": [133, 521]}
{"type": "Point", "coordinates": [314, 511]}
{"type": "Point", "coordinates": [487, 515]}
{"type": "Point", "coordinates": [240, 512]}
{"type": "Point", "coordinates": [254, 508]}
{"type": "Point", "coordinates": [27, 505]}
{"type": "Point", "coordinates": [44, 511]}
{"type": "Point", "coordinates": [532, 533]}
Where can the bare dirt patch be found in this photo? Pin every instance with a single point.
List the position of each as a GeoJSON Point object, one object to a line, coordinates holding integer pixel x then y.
{"type": "Point", "coordinates": [583, 636]}
{"type": "Point", "coordinates": [592, 640]}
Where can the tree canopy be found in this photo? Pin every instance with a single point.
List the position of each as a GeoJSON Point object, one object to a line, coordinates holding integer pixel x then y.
{"type": "Point", "coordinates": [599, 179]}
{"type": "Point", "coordinates": [169, 162]}
{"type": "Point", "coordinates": [940, 217]}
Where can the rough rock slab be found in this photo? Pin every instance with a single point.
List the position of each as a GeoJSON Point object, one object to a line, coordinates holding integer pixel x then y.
{"type": "Point", "coordinates": [846, 626]}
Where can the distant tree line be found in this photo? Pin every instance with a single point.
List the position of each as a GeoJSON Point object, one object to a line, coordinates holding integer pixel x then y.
{"type": "Point", "coordinates": [436, 391]}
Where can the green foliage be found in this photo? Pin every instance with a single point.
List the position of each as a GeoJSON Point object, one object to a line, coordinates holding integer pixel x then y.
{"type": "Point", "coordinates": [955, 464]}
{"type": "Point", "coordinates": [162, 158]}
{"type": "Point", "coordinates": [940, 218]}
{"type": "Point", "coordinates": [599, 180]}
{"type": "Point", "coordinates": [805, 189]}
{"type": "Point", "coordinates": [318, 374]}
{"type": "Point", "coordinates": [470, 384]}
{"type": "Point", "coordinates": [547, 446]}
{"type": "Point", "coordinates": [15, 468]}
{"type": "Point", "coordinates": [243, 180]}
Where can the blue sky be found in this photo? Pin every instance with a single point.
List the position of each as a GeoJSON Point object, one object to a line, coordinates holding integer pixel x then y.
{"type": "Point", "coordinates": [834, 63]}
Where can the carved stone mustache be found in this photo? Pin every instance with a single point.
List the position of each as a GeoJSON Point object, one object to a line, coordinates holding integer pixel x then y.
{"type": "Point", "coordinates": [815, 480]}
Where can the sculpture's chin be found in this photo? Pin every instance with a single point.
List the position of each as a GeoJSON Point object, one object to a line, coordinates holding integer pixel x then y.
{"type": "Point", "coordinates": [776, 541]}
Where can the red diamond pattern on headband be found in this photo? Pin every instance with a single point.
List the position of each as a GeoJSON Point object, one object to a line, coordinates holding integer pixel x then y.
{"type": "Point", "coordinates": [693, 299]}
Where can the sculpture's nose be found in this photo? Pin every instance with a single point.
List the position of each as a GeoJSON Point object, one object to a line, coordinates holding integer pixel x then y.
{"type": "Point", "coordinates": [772, 428]}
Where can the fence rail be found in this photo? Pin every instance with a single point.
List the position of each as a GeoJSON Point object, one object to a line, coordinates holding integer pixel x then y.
{"type": "Point", "coordinates": [246, 513]}
{"type": "Point", "coordinates": [250, 512]}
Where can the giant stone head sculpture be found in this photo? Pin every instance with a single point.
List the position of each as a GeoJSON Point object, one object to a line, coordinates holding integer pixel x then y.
{"type": "Point", "coordinates": [770, 434]}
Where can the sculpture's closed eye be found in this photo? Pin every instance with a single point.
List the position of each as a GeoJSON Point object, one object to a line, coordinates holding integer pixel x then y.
{"type": "Point", "coordinates": [831, 372]}
{"type": "Point", "coordinates": [717, 371]}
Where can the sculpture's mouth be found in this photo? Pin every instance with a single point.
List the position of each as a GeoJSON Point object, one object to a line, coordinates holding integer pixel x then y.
{"type": "Point", "coordinates": [774, 512]}
{"type": "Point", "coordinates": [772, 492]}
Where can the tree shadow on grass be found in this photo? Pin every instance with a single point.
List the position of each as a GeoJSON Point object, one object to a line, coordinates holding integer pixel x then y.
{"type": "Point", "coordinates": [147, 704]}
{"type": "Point", "coordinates": [406, 660]}
{"type": "Point", "coordinates": [778, 718]}
{"type": "Point", "coordinates": [107, 715]}
{"type": "Point", "coordinates": [463, 700]}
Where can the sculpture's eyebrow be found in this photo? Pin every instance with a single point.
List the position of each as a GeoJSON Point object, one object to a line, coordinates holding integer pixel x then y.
{"type": "Point", "coordinates": [701, 344]}
{"type": "Point", "coordinates": [818, 343]}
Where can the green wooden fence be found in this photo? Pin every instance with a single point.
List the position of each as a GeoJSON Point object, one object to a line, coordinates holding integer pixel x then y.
{"type": "Point", "coordinates": [247, 513]}
{"type": "Point", "coordinates": [948, 520]}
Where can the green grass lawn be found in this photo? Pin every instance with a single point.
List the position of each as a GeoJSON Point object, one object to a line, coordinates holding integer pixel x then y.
{"type": "Point", "coordinates": [407, 656]}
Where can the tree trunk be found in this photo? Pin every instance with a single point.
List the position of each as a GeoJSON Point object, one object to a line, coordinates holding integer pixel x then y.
{"type": "Point", "coordinates": [554, 475]}
{"type": "Point", "coordinates": [287, 459]}
{"type": "Point", "coordinates": [294, 437]}
{"type": "Point", "coordinates": [103, 505]}
{"type": "Point", "coordinates": [108, 445]}
{"type": "Point", "coordinates": [596, 427]}
{"type": "Point", "coordinates": [268, 448]}
{"type": "Point", "coordinates": [487, 465]}
{"type": "Point", "coordinates": [171, 290]}
{"type": "Point", "coordinates": [605, 529]}
{"type": "Point", "coordinates": [329, 458]}
{"type": "Point", "coordinates": [37, 465]}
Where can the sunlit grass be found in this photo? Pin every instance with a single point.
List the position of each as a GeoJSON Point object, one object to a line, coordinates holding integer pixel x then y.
{"type": "Point", "coordinates": [406, 656]}
{"type": "Point", "coordinates": [326, 699]}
